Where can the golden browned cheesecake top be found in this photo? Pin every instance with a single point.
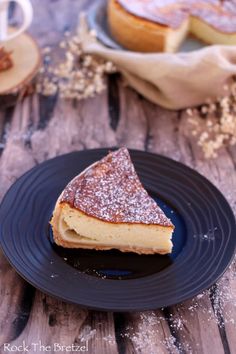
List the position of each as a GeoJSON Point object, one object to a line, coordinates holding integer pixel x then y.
{"type": "Point", "coordinates": [220, 14]}
{"type": "Point", "coordinates": [111, 191]}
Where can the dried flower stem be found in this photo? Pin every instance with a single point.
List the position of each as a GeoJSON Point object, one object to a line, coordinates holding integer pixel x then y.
{"type": "Point", "coordinates": [218, 123]}
{"type": "Point", "coordinates": [77, 75]}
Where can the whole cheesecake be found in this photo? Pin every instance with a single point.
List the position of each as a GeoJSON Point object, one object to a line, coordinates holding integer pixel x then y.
{"type": "Point", "coordinates": [162, 25]}
{"type": "Point", "coordinates": [107, 207]}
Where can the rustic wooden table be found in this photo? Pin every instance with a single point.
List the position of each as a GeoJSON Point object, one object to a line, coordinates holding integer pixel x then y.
{"type": "Point", "coordinates": [37, 128]}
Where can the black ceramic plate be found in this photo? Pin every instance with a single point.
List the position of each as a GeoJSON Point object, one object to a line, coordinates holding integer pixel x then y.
{"type": "Point", "coordinates": [97, 19]}
{"type": "Point", "coordinates": [204, 238]}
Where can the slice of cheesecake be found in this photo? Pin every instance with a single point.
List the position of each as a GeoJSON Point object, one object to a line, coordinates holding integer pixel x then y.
{"type": "Point", "coordinates": [107, 207]}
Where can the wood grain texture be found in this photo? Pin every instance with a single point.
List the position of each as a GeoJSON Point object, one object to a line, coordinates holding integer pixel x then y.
{"type": "Point", "coordinates": [140, 332]}
{"type": "Point", "coordinates": [52, 321]}
{"type": "Point", "coordinates": [35, 128]}
{"type": "Point", "coordinates": [15, 160]}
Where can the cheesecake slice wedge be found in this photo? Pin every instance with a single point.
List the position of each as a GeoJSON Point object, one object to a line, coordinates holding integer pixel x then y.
{"type": "Point", "coordinates": [107, 207]}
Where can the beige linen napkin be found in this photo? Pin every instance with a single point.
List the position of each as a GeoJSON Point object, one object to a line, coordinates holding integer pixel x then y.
{"type": "Point", "coordinates": [171, 80]}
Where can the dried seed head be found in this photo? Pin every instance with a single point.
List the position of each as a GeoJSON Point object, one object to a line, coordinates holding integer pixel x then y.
{"type": "Point", "coordinates": [78, 75]}
{"type": "Point", "coordinates": [218, 123]}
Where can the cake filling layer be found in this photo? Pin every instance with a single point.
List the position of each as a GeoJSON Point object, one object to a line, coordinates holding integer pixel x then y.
{"type": "Point", "coordinates": [77, 227]}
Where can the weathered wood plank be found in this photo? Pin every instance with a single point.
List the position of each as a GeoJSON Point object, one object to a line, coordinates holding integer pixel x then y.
{"type": "Point", "coordinates": [66, 324]}
{"type": "Point", "coordinates": [104, 338]}
{"type": "Point", "coordinates": [16, 157]}
{"type": "Point", "coordinates": [52, 321]}
{"type": "Point", "coordinates": [162, 131]}
{"type": "Point", "coordinates": [2, 119]}
{"type": "Point", "coordinates": [74, 127]}
{"type": "Point", "coordinates": [148, 332]}
{"type": "Point", "coordinates": [192, 322]}
{"type": "Point", "coordinates": [168, 135]}
{"type": "Point", "coordinates": [11, 311]}
{"type": "Point", "coordinates": [205, 317]}
{"type": "Point", "coordinates": [228, 284]}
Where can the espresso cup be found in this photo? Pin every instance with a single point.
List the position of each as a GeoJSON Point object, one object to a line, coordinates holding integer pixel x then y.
{"type": "Point", "coordinates": [4, 20]}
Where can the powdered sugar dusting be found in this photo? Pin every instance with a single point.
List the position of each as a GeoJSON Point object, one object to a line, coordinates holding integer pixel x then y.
{"type": "Point", "coordinates": [217, 13]}
{"type": "Point", "coordinates": [111, 190]}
